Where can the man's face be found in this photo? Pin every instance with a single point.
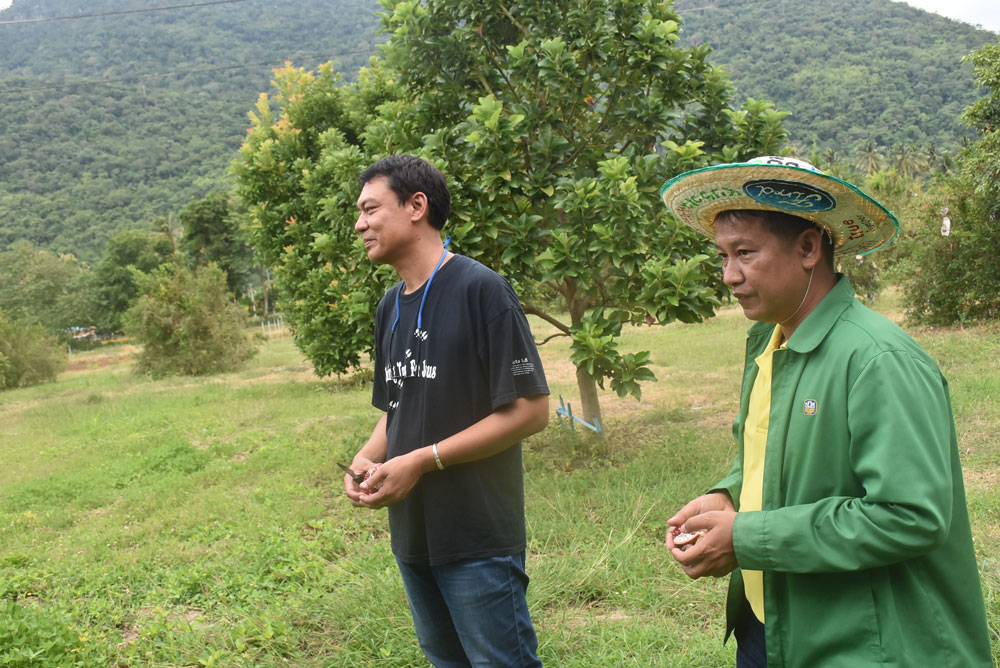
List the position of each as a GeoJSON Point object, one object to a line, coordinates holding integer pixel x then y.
{"type": "Point", "coordinates": [764, 272]}
{"type": "Point", "coordinates": [384, 225]}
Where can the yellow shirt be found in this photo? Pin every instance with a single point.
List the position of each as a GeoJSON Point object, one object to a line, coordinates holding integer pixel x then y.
{"type": "Point", "coordinates": [754, 445]}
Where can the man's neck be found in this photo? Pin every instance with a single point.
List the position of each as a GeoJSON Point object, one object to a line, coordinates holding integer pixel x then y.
{"type": "Point", "coordinates": [417, 266]}
{"type": "Point", "coordinates": [820, 288]}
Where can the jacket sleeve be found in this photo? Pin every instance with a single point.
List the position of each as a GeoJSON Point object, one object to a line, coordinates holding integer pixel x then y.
{"type": "Point", "coordinates": [733, 482]}
{"type": "Point", "coordinates": [901, 432]}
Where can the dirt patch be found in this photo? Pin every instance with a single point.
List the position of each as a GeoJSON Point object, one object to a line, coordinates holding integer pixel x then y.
{"type": "Point", "coordinates": [578, 621]}
{"type": "Point", "coordinates": [101, 359]}
{"type": "Point", "coordinates": [300, 374]}
{"type": "Point", "coordinates": [132, 631]}
{"type": "Point", "coordinates": [984, 480]}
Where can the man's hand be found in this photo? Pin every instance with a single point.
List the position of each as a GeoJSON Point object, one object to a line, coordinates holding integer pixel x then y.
{"type": "Point", "coordinates": [354, 490]}
{"type": "Point", "coordinates": [391, 483]}
{"type": "Point", "coordinates": [713, 553]}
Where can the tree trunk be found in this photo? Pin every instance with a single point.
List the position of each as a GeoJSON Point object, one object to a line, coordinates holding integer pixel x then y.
{"type": "Point", "coordinates": [263, 286]}
{"type": "Point", "coordinates": [588, 397]}
{"type": "Point", "coordinates": [584, 382]}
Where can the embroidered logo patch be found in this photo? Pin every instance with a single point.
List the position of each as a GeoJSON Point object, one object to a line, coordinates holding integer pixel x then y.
{"type": "Point", "coordinates": [789, 196]}
{"type": "Point", "coordinates": [809, 407]}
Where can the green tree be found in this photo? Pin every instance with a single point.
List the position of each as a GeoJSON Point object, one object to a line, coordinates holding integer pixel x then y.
{"type": "Point", "coordinates": [127, 256]}
{"type": "Point", "coordinates": [297, 175]}
{"type": "Point", "coordinates": [556, 124]}
{"type": "Point", "coordinates": [906, 160]}
{"type": "Point", "coordinates": [187, 323]}
{"type": "Point", "coordinates": [982, 159]}
{"type": "Point", "coordinates": [868, 159]}
{"type": "Point", "coordinates": [38, 286]}
{"type": "Point", "coordinates": [213, 234]}
{"type": "Point", "coordinates": [955, 278]}
{"type": "Point", "coordinates": [28, 355]}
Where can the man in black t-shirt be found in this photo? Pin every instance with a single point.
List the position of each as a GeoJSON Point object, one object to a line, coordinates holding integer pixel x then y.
{"type": "Point", "coordinates": [460, 381]}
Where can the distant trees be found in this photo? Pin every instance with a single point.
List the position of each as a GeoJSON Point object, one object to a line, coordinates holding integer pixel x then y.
{"type": "Point", "coordinates": [186, 318]}
{"type": "Point", "coordinates": [868, 159]}
{"type": "Point", "coordinates": [187, 323]}
{"type": "Point", "coordinates": [81, 160]}
{"type": "Point", "coordinates": [906, 160]}
{"type": "Point", "coordinates": [128, 256]}
{"type": "Point", "coordinates": [45, 288]}
{"type": "Point", "coordinates": [850, 71]}
{"type": "Point", "coordinates": [28, 354]}
{"type": "Point", "coordinates": [214, 233]}
{"type": "Point", "coordinates": [59, 292]}
{"type": "Point", "coordinates": [951, 273]}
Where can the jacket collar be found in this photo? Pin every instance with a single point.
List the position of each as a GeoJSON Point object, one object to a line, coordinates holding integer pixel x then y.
{"type": "Point", "coordinates": [818, 323]}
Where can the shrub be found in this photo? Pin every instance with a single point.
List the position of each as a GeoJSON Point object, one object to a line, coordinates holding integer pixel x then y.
{"type": "Point", "coordinates": [188, 323]}
{"type": "Point", "coordinates": [28, 356]}
{"type": "Point", "coordinates": [950, 279]}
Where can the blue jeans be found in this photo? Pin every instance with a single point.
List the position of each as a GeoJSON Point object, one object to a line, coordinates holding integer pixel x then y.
{"type": "Point", "coordinates": [472, 613]}
{"type": "Point", "coordinates": [751, 648]}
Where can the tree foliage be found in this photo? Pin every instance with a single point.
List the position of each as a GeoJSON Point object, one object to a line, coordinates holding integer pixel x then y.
{"type": "Point", "coordinates": [28, 354]}
{"type": "Point", "coordinates": [110, 121]}
{"type": "Point", "coordinates": [982, 159]}
{"type": "Point", "coordinates": [850, 71]}
{"type": "Point", "coordinates": [297, 175]}
{"type": "Point", "coordinates": [955, 278]}
{"type": "Point", "coordinates": [213, 233]}
{"type": "Point", "coordinates": [187, 323]}
{"type": "Point", "coordinates": [556, 123]}
{"type": "Point", "coordinates": [128, 256]}
{"type": "Point", "coordinates": [41, 287]}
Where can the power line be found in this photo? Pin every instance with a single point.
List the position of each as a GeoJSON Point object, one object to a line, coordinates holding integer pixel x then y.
{"type": "Point", "coordinates": [159, 75]}
{"type": "Point", "coordinates": [127, 11]}
{"type": "Point", "coordinates": [683, 10]}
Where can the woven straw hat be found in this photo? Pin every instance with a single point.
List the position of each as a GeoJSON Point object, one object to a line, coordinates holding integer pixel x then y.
{"type": "Point", "coordinates": [856, 223]}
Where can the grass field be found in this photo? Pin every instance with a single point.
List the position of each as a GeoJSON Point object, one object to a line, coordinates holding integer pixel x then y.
{"type": "Point", "coordinates": [201, 522]}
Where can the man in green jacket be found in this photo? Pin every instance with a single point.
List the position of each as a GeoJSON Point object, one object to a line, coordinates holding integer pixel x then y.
{"type": "Point", "coordinates": [843, 519]}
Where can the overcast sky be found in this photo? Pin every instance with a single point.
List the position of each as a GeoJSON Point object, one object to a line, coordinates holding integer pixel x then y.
{"type": "Point", "coordinates": [977, 12]}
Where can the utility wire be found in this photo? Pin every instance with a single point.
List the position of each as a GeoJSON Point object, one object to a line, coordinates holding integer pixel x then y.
{"type": "Point", "coordinates": [683, 10]}
{"type": "Point", "coordinates": [143, 77]}
{"type": "Point", "coordinates": [127, 11]}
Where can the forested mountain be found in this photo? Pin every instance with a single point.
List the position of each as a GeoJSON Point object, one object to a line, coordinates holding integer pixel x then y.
{"type": "Point", "coordinates": [849, 71]}
{"type": "Point", "coordinates": [129, 111]}
{"type": "Point", "coordinates": [113, 119]}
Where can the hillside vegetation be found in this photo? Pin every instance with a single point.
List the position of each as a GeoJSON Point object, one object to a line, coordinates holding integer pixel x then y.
{"type": "Point", "coordinates": [849, 71]}
{"type": "Point", "coordinates": [108, 122]}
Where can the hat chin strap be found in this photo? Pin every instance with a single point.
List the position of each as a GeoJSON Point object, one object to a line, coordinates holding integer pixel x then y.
{"type": "Point", "coordinates": [801, 303]}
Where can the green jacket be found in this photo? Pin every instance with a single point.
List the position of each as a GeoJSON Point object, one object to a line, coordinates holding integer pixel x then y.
{"type": "Point", "coordinates": [864, 535]}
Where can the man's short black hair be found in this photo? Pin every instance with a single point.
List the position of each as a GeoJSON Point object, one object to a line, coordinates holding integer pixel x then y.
{"type": "Point", "coordinates": [782, 225]}
{"type": "Point", "coordinates": [408, 174]}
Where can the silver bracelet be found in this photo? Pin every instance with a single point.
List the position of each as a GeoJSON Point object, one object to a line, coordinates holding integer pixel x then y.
{"type": "Point", "coordinates": [437, 460]}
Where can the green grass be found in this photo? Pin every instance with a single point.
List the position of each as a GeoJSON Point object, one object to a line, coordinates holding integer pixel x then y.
{"type": "Point", "coordinates": [201, 521]}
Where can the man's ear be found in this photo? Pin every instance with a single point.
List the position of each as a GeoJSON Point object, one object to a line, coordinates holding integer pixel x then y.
{"type": "Point", "coordinates": [810, 245]}
{"type": "Point", "coordinates": [419, 207]}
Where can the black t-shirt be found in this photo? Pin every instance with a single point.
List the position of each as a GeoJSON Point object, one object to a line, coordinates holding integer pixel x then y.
{"type": "Point", "coordinates": [472, 354]}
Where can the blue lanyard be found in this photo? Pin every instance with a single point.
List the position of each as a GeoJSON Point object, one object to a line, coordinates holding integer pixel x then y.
{"type": "Point", "coordinates": [427, 288]}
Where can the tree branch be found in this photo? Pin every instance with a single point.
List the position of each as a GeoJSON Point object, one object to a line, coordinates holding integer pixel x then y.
{"type": "Point", "coordinates": [534, 310]}
{"type": "Point", "coordinates": [523, 29]}
{"type": "Point", "coordinates": [549, 338]}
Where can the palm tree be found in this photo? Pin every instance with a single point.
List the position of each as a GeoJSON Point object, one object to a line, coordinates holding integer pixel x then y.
{"type": "Point", "coordinates": [830, 158]}
{"type": "Point", "coordinates": [938, 160]}
{"type": "Point", "coordinates": [906, 159]}
{"type": "Point", "coordinates": [868, 159]}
